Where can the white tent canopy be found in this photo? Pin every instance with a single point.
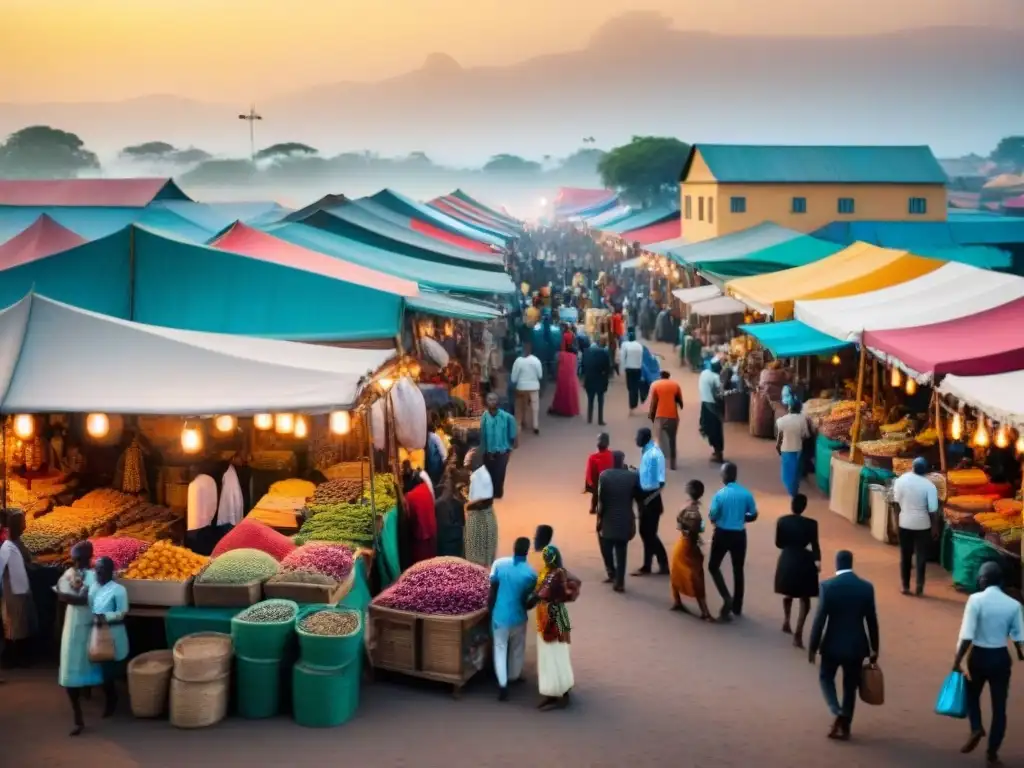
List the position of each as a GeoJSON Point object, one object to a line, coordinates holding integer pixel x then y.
{"type": "Point", "coordinates": [720, 305]}
{"type": "Point", "coordinates": [58, 358]}
{"type": "Point", "coordinates": [997, 396]}
{"type": "Point", "coordinates": [700, 293]}
{"type": "Point", "coordinates": [949, 293]}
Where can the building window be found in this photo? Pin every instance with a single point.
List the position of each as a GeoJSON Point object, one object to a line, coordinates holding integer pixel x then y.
{"type": "Point", "coordinates": [700, 209]}
{"type": "Point", "coordinates": [688, 207]}
{"type": "Point", "coordinates": [918, 206]}
{"type": "Point", "coordinates": [711, 210]}
{"type": "Point", "coordinates": [846, 205]}
{"type": "Point", "coordinates": [799, 205]}
{"type": "Point", "coordinates": [737, 205]}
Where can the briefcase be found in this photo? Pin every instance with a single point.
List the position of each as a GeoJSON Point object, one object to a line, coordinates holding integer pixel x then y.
{"type": "Point", "coordinates": [872, 684]}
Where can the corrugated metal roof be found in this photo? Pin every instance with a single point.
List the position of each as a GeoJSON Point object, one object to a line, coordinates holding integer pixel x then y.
{"type": "Point", "coordinates": [739, 164]}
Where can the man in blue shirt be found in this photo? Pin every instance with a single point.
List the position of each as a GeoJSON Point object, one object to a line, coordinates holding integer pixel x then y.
{"type": "Point", "coordinates": [731, 509]}
{"type": "Point", "coordinates": [652, 481]}
{"type": "Point", "coordinates": [497, 439]}
{"type": "Point", "coordinates": [512, 582]}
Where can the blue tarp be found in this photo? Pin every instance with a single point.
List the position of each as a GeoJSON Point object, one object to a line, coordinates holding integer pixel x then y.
{"type": "Point", "coordinates": [958, 230]}
{"type": "Point", "coordinates": [793, 339]}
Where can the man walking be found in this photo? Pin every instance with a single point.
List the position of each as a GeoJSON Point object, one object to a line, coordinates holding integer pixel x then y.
{"type": "Point", "coordinates": [632, 358]}
{"type": "Point", "coordinates": [845, 630]}
{"type": "Point", "coordinates": [597, 367]}
{"type": "Point", "coordinates": [512, 582]}
{"type": "Point", "coordinates": [918, 521]}
{"type": "Point", "coordinates": [497, 441]}
{"type": "Point", "coordinates": [709, 384]}
{"type": "Point", "coordinates": [597, 463]}
{"type": "Point", "coordinates": [652, 481]}
{"type": "Point", "coordinates": [731, 509]}
{"type": "Point", "coordinates": [527, 374]}
{"type": "Point", "coordinates": [666, 403]}
{"type": "Point", "coordinates": [617, 491]}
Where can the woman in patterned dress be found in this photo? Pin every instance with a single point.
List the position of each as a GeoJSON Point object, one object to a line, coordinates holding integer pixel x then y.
{"type": "Point", "coordinates": [555, 588]}
{"type": "Point", "coordinates": [481, 533]}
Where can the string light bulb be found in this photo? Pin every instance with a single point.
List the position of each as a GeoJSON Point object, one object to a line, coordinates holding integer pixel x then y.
{"type": "Point", "coordinates": [224, 424]}
{"type": "Point", "coordinates": [911, 386]}
{"type": "Point", "coordinates": [956, 430]}
{"type": "Point", "coordinates": [341, 422]}
{"type": "Point", "coordinates": [24, 426]}
{"type": "Point", "coordinates": [1020, 444]}
{"type": "Point", "coordinates": [191, 439]}
{"type": "Point", "coordinates": [835, 360]}
{"type": "Point", "coordinates": [284, 423]}
{"type": "Point", "coordinates": [980, 439]}
{"type": "Point", "coordinates": [301, 429]}
{"type": "Point", "coordinates": [97, 425]}
{"type": "Point", "coordinates": [1002, 437]}
{"type": "Point", "coordinates": [896, 379]}
{"type": "Point", "coordinates": [263, 421]}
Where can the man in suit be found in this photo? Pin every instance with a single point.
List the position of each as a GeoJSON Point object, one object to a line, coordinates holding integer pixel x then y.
{"type": "Point", "coordinates": [617, 492]}
{"type": "Point", "coordinates": [846, 632]}
{"type": "Point", "coordinates": [597, 367]}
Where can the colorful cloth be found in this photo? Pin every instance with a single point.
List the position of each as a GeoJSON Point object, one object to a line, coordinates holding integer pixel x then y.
{"type": "Point", "coordinates": [566, 401]}
{"type": "Point", "coordinates": [552, 591]}
{"type": "Point", "coordinates": [481, 536]}
{"type": "Point", "coordinates": [76, 671]}
{"type": "Point", "coordinates": [419, 504]}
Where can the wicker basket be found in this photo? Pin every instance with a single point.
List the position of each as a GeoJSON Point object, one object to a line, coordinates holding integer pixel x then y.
{"type": "Point", "coordinates": [149, 678]}
{"type": "Point", "coordinates": [199, 705]}
{"type": "Point", "coordinates": [203, 656]}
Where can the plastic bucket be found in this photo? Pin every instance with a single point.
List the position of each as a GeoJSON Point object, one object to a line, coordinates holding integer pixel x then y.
{"type": "Point", "coordinates": [325, 698]}
{"type": "Point", "coordinates": [259, 687]}
{"type": "Point", "coordinates": [328, 652]}
{"type": "Point", "coordinates": [264, 641]}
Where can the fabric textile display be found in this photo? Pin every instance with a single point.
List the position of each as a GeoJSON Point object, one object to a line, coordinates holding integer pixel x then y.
{"type": "Point", "coordinates": [844, 497]}
{"type": "Point", "coordinates": [410, 415]}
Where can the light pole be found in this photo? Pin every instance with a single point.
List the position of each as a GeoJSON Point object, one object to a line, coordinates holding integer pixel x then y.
{"type": "Point", "coordinates": [251, 118]}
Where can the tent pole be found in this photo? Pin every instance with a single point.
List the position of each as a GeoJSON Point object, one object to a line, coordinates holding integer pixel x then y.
{"type": "Point", "coordinates": [855, 432]}
{"type": "Point", "coordinates": [874, 382]}
{"type": "Point", "coordinates": [938, 428]}
{"type": "Point", "coordinates": [373, 503]}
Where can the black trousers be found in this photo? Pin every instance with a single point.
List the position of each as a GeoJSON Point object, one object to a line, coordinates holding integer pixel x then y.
{"type": "Point", "coordinates": [650, 516]}
{"type": "Point", "coordinates": [614, 554]}
{"type": "Point", "coordinates": [851, 683]}
{"type": "Point", "coordinates": [591, 396]}
{"type": "Point", "coordinates": [633, 386]}
{"type": "Point", "coordinates": [734, 544]}
{"type": "Point", "coordinates": [992, 666]}
{"type": "Point", "coordinates": [916, 545]}
{"type": "Point", "coordinates": [496, 464]}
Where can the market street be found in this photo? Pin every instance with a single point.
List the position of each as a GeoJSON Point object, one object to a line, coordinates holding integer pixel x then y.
{"type": "Point", "coordinates": [651, 686]}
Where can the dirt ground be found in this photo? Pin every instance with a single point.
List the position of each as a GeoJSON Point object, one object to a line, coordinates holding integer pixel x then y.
{"type": "Point", "coordinates": [651, 686]}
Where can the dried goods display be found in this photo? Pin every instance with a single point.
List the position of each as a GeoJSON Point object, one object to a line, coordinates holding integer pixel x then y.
{"type": "Point", "coordinates": [1007, 507]}
{"type": "Point", "coordinates": [884, 448]}
{"type": "Point", "coordinates": [331, 623]}
{"type": "Point", "coordinates": [268, 612]}
{"type": "Point", "coordinates": [252, 534]}
{"type": "Point", "coordinates": [440, 586]}
{"type": "Point", "coordinates": [302, 577]}
{"type": "Point", "coordinates": [343, 490]}
{"type": "Point", "coordinates": [28, 501]}
{"type": "Point", "coordinates": [334, 560]}
{"type": "Point", "coordinates": [133, 479]}
{"type": "Point", "coordinates": [927, 437]}
{"type": "Point", "coordinates": [64, 526]}
{"type": "Point", "coordinates": [164, 561]}
{"type": "Point", "coordinates": [964, 478]}
{"type": "Point", "coordinates": [344, 523]}
{"type": "Point", "coordinates": [106, 500]}
{"type": "Point", "coordinates": [838, 423]}
{"type": "Point", "coordinates": [971, 503]}
{"type": "Point", "coordinates": [293, 487]}
{"type": "Point", "coordinates": [239, 566]}
{"type": "Point", "coordinates": [122, 550]}
{"type": "Point", "coordinates": [143, 512]}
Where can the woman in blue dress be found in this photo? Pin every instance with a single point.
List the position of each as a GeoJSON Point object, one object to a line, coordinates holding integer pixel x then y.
{"type": "Point", "coordinates": [77, 673]}
{"type": "Point", "coordinates": [108, 602]}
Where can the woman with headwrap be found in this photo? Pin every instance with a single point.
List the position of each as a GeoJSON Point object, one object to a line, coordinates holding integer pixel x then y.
{"type": "Point", "coordinates": [108, 602]}
{"type": "Point", "coordinates": [481, 534]}
{"type": "Point", "coordinates": [76, 671]}
{"type": "Point", "coordinates": [555, 588]}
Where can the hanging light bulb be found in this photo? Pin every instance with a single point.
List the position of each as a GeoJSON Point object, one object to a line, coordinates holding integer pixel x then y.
{"type": "Point", "coordinates": [224, 423]}
{"type": "Point", "coordinates": [301, 430]}
{"type": "Point", "coordinates": [284, 423]}
{"type": "Point", "coordinates": [191, 438]}
{"type": "Point", "coordinates": [341, 422]}
{"type": "Point", "coordinates": [911, 386]}
{"type": "Point", "coordinates": [980, 439]}
{"type": "Point", "coordinates": [97, 424]}
{"type": "Point", "coordinates": [24, 426]}
{"type": "Point", "coordinates": [896, 379]}
{"type": "Point", "coordinates": [956, 430]}
{"type": "Point", "coordinates": [835, 360]}
{"type": "Point", "coordinates": [385, 384]}
{"type": "Point", "coordinates": [263, 421]}
{"type": "Point", "coordinates": [1020, 444]}
{"type": "Point", "coordinates": [1002, 437]}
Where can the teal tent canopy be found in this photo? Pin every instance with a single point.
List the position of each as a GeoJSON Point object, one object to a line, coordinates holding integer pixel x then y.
{"type": "Point", "coordinates": [405, 206]}
{"type": "Point", "coordinates": [446, 305]}
{"type": "Point", "coordinates": [793, 339]}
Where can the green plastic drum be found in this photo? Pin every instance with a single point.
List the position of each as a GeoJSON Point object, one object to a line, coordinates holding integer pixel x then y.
{"type": "Point", "coordinates": [264, 641]}
{"type": "Point", "coordinates": [325, 698]}
{"type": "Point", "coordinates": [259, 687]}
{"type": "Point", "coordinates": [328, 652]}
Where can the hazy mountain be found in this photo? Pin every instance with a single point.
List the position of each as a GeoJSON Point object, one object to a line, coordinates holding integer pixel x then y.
{"type": "Point", "coordinates": [957, 89]}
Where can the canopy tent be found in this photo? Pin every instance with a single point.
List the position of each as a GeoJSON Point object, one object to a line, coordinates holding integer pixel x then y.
{"type": "Point", "coordinates": [981, 344]}
{"type": "Point", "coordinates": [425, 273]}
{"type": "Point", "coordinates": [700, 293]}
{"type": "Point", "coordinates": [121, 193]}
{"type": "Point", "coordinates": [857, 269]}
{"type": "Point", "coordinates": [654, 233]}
{"type": "Point", "coordinates": [424, 213]}
{"type": "Point", "coordinates": [997, 396]}
{"type": "Point", "coordinates": [573, 201]}
{"type": "Point", "coordinates": [792, 338]}
{"type": "Point", "coordinates": [118, 366]}
{"type": "Point", "coordinates": [1014, 204]}
{"type": "Point", "coordinates": [639, 219]}
{"type": "Point", "coordinates": [446, 305]}
{"type": "Point", "coordinates": [218, 216]}
{"type": "Point", "coordinates": [418, 226]}
{"type": "Point", "coordinates": [461, 212]}
{"type": "Point", "coordinates": [718, 306]}
{"type": "Point", "coordinates": [356, 223]}
{"type": "Point", "coordinates": [44, 237]}
{"type": "Point", "coordinates": [959, 229]}
{"type": "Point", "coordinates": [665, 246]}
{"type": "Point", "coordinates": [96, 222]}
{"type": "Point", "coordinates": [321, 204]}
{"type": "Point", "coordinates": [950, 292]}
{"type": "Point", "coordinates": [609, 216]}
{"type": "Point", "coordinates": [497, 215]}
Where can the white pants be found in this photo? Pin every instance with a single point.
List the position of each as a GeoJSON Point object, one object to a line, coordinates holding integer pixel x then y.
{"type": "Point", "coordinates": [509, 653]}
{"type": "Point", "coordinates": [533, 400]}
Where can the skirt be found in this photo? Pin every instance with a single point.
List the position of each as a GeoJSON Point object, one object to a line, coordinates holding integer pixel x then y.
{"type": "Point", "coordinates": [796, 574]}
{"type": "Point", "coordinates": [481, 536]}
{"type": "Point", "coordinates": [19, 613]}
{"type": "Point", "coordinates": [554, 668]}
{"type": "Point", "coordinates": [687, 569]}
{"type": "Point", "coordinates": [567, 390]}
{"type": "Point", "coordinates": [792, 471]}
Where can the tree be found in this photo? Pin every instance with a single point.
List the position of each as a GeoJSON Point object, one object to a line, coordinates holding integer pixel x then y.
{"type": "Point", "coordinates": [42, 152]}
{"type": "Point", "coordinates": [645, 171]}
{"type": "Point", "coordinates": [511, 164]}
{"type": "Point", "coordinates": [583, 161]}
{"type": "Point", "coordinates": [149, 149]}
{"type": "Point", "coordinates": [161, 151]}
{"type": "Point", "coordinates": [1010, 151]}
{"type": "Point", "coordinates": [220, 172]}
{"type": "Point", "coordinates": [286, 149]}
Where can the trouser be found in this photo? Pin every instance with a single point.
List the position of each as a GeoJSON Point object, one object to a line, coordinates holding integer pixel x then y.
{"type": "Point", "coordinates": [711, 426]}
{"type": "Point", "coordinates": [591, 396]}
{"type": "Point", "coordinates": [914, 545]}
{"type": "Point", "coordinates": [992, 666]}
{"type": "Point", "coordinates": [528, 403]}
{"type": "Point", "coordinates": [633, 387]}
{"type": "Point", "coordinates": [109, 694]}
{"type": "Point", "coordinates": [614, 554]}
{"type": "Point", "coordinates": [666, 430]}
{"type": "Point", "coordinates": [851, 683]}
{"type": "Point", "coordinates": [734, 544]}
{"type": "Point", "coordinates": [650, 516]}
{"type": "Point", "coordinates": [497, 464]}
{"type": "Point", "coordinates": [509, 653]}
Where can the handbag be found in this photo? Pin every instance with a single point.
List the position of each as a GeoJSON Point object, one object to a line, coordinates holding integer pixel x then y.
{"type": "Point", "coordinates": [952, 699]}
{"type": "Point", "coordinates": [872, 685]}
{"type": "Point", "coordinates": [101, 644]}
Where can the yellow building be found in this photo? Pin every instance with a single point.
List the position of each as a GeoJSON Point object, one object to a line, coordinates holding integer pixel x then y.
{"type": "Point", "coordinates": [727, 188]}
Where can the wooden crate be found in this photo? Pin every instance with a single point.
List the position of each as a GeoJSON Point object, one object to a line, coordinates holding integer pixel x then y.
{"type": "Point", "coordinates": [309, 593]}
{"type": "Point", "coordinates": [394, 639]}
{"type": "Point", "coordinates": [227, 595]}
{"type": "Point", "coordinates": [164, 594]}
{"type": "Point", "coordinates": [442, 649]}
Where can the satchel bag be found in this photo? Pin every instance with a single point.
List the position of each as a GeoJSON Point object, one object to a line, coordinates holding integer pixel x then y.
{"type": "Point", "coordinates": [101, 644]}
{"type": "Point", "coordinates": [872, 685]}
{"type": "Point", "coordinates": [952, 699]}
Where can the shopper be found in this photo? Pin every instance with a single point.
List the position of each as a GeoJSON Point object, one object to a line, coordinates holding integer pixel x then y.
{"type": "Point", "coordinates": [498, 439]}
{"type": "Point", "coordinates": [687, 556]}
{"type": "Point", "coordinates": [597, 463]}
{"type": "Point", "coordinates": [512, 582]}
{"type": "Point", "coordinates": [652, 481]}
{"type": "Point", "coordinates": [617, 493]}
{"type": "Point", "coordinates": [666, 403]}
{"type": "Point", "coordinates": [731, 509]}
{"type": "Point", "coordinates": [792, 430]}
{"type": "Point", "coordinates": [16, 604]}
{"type": "Point", "coordinates": [796, 574]}
{"type": "Point", "coordinates": [918, 521]}
{"type": "Point", "coordinates": [632, 358]}
{"type": "Point", "coordinates": [76, 671]}
{"type": "Point", "coordinates": [527, 375]}
{"type": "Point", "coordinates": [597, 367]}
{"type": "Point", "coordinates": [709, 384]}
{"type": "Point", "coordinates": [108, 602]}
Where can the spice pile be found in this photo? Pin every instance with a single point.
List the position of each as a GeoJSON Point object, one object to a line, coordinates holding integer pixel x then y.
{"type": "Point", "coordinates": [269, 612]}
{"type": "Point", "coordinates": [239, 566]}
{"type": "Point", "coordinates": [839, 422]}
{"type": "Point", "coordinates": [332, 560]}
{"type": "Point", "coordinates": [302, 577]}
{"type": "Point", "coordinates": [292, 488]}
{"type": "Point", "coordinates": [122, 550]}
{"type": "Point", "coordinates": [343, 523]}
{"type": "Point", "coordinates": [166, 562]}
{"type": "Point", "coordinates": [446, 586]}
{"type": "Point", "coordinates": [331, 623]}
{"type": "Point", "coordinates": [252, 534]}
{"type": "Point", "coordinates": [59, 529]}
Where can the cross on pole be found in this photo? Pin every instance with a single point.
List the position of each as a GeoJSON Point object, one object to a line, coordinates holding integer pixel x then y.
{"type": "Point", "coordinates": [251, 118]}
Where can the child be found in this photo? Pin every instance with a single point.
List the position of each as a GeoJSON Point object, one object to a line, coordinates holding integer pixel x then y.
{"type": "Point", "coordinates": [687, 570]}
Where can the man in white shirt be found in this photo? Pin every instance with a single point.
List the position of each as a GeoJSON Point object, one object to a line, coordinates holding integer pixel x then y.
{"type": "Point", "coordinates": [527, 374]}
{"type": "Point", "coordinates": [631, 355]}
{"type": "Point", "coordinates": [918, 521]}
{"type": "Point", "coordinates": [709, 384]}
{"type": "Point", "coordinates": [18, 609]}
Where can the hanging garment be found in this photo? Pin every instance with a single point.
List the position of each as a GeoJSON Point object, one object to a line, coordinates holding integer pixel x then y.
{"type": "Point", "coordinates": [231, 508]}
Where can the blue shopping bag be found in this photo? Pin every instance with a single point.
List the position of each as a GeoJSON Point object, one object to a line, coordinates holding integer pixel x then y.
{"type": "Point", "coordinates": [952, 700]}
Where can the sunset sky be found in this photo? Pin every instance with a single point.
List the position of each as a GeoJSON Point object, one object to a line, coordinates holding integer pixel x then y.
{"type": "Point", "coordinates": [84, 50]}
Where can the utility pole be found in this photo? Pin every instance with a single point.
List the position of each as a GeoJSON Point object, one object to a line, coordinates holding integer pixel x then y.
{"type": "Point", "coordinates": [251, 118]}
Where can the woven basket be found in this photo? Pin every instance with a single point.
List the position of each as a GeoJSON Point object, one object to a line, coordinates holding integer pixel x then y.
{"type": "Point", "coordinates": [902, 466]}
{"type": "Point", "coordinates": [149, 678]}
{"type": "Point", "coordinates": [203, 656]}
{"type": "Point", "coordinates": [199, 705]}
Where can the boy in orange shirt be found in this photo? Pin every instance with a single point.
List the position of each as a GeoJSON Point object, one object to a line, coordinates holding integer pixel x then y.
{"type": "Point", "coordinates": [666, 402]}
